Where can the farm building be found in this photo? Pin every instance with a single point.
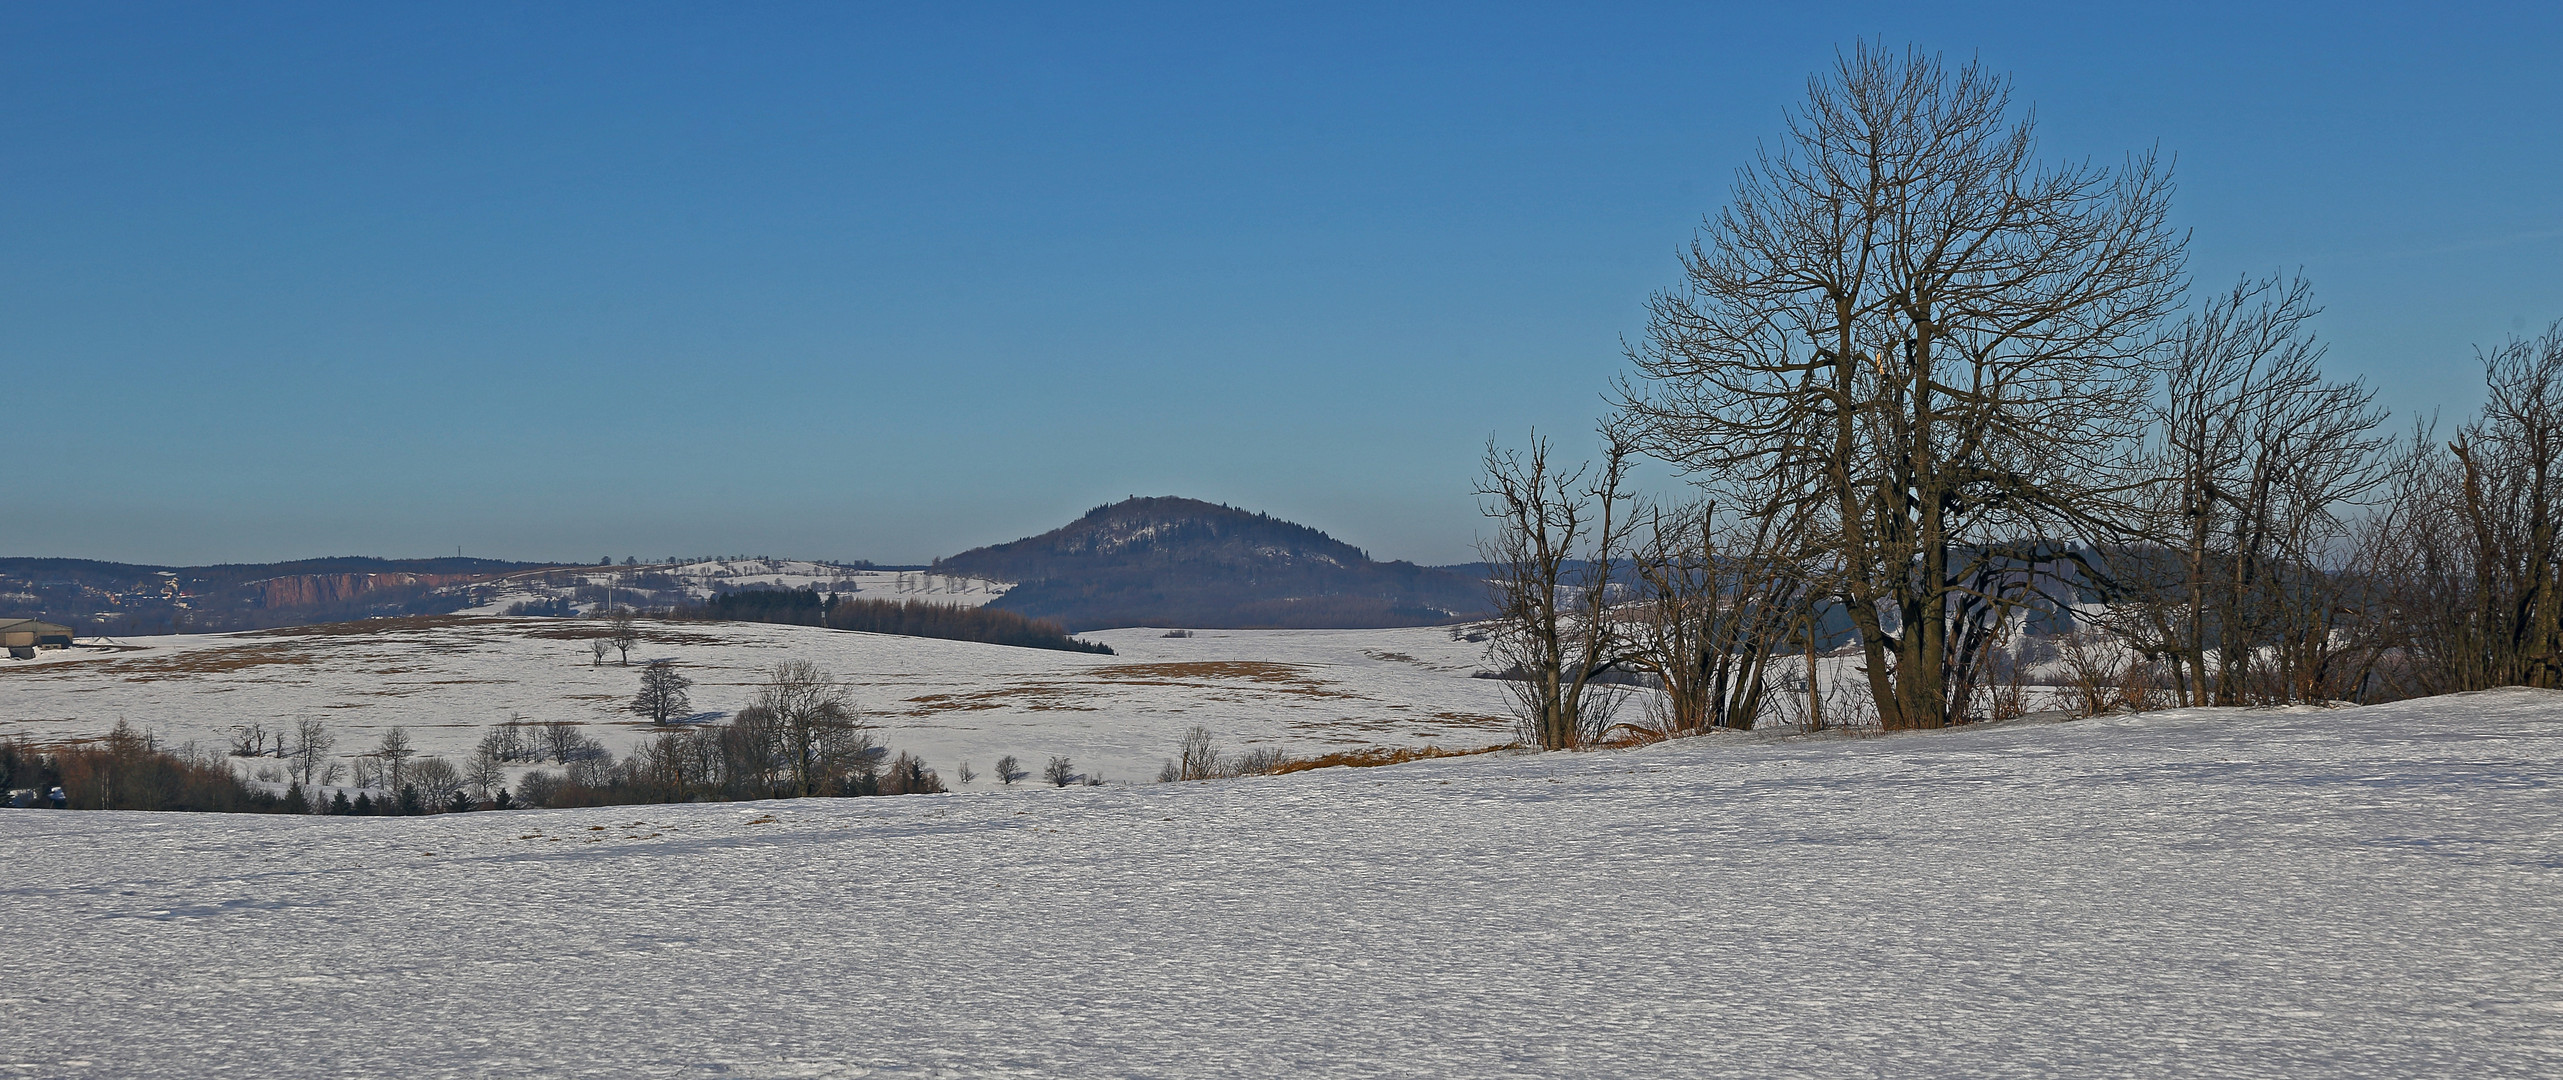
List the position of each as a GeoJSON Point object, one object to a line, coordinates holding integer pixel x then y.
{"type": "Point", "coordinates": [22, 637]}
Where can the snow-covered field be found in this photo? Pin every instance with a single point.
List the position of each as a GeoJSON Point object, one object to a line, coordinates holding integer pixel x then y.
{"type": "Point", "coordinates": [446, 680]}
{"type": "Point", "coordinates": [699, 579]}
{"type": "Point", "coordinates": [2357, 892]}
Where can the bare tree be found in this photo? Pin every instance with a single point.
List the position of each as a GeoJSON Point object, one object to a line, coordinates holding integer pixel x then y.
{"type": "Point", "coordinates": [964, 774]}
{"type": "Point", "coordinates": [1198, 758]}
{"type": "Point", "coordinates": [2259, 454]}
{"type": "Point", "coordinates": [1557, 537]}
{"type": "Point", "coordinates": [596, 650]}
{"type": "Point", "coordinates": [250, 739]}
{"type": "Point", "coordinates": [819, 736]}
{"type": "Point", "coordinates": [2470, 534]}
{"type": "Point", "coordinates": [485, 773]}
{"type": "Point", "coordinates": [1945, 334]}
{"type": "Point", "coordinates": [1059, 772]}
{"type": "Point", "coordinates": [662, 697]}
{"type": "Point", "coordinates": [1715, 601]}
{"type": "Point", "coordinates": [562, 741]}
{"type": "Point", "coordinates": [509, 742]}
{"type": "Point", "coordinates": [620, 630]}
{"type": "Point", "coordinates": [1009, 770]}
{"type": "Point", "coordinates": [436, 780]}
{"type": "Point", "coordinates": [392, 753]}
{"type": "Point", "coordinates": [312, 741]}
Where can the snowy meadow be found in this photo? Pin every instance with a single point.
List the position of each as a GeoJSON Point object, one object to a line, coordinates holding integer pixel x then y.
{"type": "Point", "coordinates": [2297, 892]}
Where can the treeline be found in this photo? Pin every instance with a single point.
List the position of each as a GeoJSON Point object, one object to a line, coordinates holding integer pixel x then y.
{"type": "Point", "coordinates": [800, 736]}
{"type": "Point", "coordinates": [132, 770]}
{"type": "Point", "coordinates": [913, 618]}
{"type": "Point", "coordinates": [2030, 420]}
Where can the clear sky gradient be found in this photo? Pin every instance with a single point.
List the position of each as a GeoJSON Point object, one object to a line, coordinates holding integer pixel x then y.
{"type": "Point", "coordinates": [559, 281]}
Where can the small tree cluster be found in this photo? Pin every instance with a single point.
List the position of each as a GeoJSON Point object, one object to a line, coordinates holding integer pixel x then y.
{"type": "Point", "coordinates": [1198, 758]}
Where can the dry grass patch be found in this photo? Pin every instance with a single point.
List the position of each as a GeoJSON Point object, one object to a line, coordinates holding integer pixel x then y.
{"type": "Point", "coordinates": [1380, 755]}
{"type": "Point", "coordinates": [1039, 697]}
{"type": "Point", "coordinates": [1200, 674]}
{"type": "Point", "coordinates": [209, 662]}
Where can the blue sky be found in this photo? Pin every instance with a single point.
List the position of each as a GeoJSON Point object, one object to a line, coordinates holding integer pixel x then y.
{"type": "Point", "coordinates": [559, 281]}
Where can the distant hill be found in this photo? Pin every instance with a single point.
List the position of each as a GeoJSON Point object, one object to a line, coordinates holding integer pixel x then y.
{"type": "Point", "coordinates": [1187, 563]}
{"type": "Point", "coordinates": [124, 598]}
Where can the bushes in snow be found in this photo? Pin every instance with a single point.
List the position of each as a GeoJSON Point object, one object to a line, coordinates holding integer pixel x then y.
{"type": "Point", "coordinates": [1198, 758]}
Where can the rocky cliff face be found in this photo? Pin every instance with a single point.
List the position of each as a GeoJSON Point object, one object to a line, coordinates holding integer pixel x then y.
{"type": "Point", "coordinates": [311, 590]}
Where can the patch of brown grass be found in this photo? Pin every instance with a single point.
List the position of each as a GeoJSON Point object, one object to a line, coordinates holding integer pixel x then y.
{"type": "Point", "coordinates": [1038, 697]}
{"type": "Point", "coordinates": [1258, 670]}
{"type": "Point", "coordinates": [208, 662]}
{"type": "Point", "coordinates": [1200, 674]}
{"type": "Point", "coordinates": [1379, 755]}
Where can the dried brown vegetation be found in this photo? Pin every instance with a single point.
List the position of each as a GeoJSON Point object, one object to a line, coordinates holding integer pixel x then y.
{"type": "Point", "coordinates": [1382, 755]}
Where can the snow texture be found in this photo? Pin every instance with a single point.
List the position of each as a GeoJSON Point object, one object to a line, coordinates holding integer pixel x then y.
{"type": "Point", "coordinates": [2308, 893]}
{"type": "Point", "coordinates": [448, 680]}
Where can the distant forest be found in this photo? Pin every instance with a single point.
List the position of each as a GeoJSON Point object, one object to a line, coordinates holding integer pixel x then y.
{"type": "Point", "coordinates": [913, 618]}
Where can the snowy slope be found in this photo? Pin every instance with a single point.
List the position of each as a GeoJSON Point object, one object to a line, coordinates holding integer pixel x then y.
{"type": "Point", "coordinates": [2369, 893]}
{"type": "Point", "coordinates": [701, 578]}
{"type": "Point", "coordinates": [447, 680]}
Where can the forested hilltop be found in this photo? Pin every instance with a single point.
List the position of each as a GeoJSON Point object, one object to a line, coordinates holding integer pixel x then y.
{"type": "Point", "coordinates": [1187, 563]}
{"type": "Point", "coordinates": [912, 618]}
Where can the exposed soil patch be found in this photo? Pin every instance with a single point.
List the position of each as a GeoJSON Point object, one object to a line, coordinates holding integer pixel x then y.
{"type": "Point", "coordinates": [209, 662]}
{"type": "Point", "coordinates": [1382, 755]}
{"type": "Point", "coordinates": [1037, 697]}
{"type": "Point", "coordinates": [1196, 674]}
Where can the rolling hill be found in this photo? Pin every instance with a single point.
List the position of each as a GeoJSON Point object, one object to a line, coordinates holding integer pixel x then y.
{"type": "Point", "coordinates": [1176, 562]}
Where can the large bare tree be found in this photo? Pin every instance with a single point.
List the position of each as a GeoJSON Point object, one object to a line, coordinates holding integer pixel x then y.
{"type": "Point", "coordinates": [1947, 333]}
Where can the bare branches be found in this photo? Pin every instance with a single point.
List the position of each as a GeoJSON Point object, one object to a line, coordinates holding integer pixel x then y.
{"type": "Point", "coordinates": [1717, 596]}
{"type": "Point", "coordinates": [2257, 456]}
{"type": "Point", "coordinates": [809, 721]}
{"type": "Point", "coordinates": [1557, 539]}
{"type": "Point", "coordinates": [1923, 345]}
{"type": "Point", "coordinates": [2472, 526]}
